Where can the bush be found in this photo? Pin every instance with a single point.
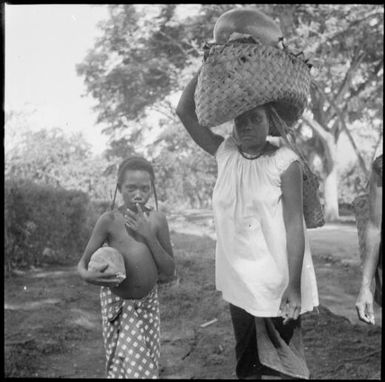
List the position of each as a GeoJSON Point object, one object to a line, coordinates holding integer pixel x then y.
{"type": "Point", "coordinates": [44, 223]}
{"type": "Point", "coordinates": [100, 206]}
{"type": "Point", "coordinates": [352, 183]}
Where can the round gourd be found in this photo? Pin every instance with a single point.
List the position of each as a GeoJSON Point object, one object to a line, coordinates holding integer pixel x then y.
{"type": "Point", "coordinates": [247, 21]}
{"type": "Point", "coordinates": [111, 257]}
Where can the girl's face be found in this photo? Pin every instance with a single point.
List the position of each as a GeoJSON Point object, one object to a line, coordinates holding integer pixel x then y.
{"type": "Point", "coordinates": [252, 127]}
{"type": "Point", "coordinates": [135, 188]}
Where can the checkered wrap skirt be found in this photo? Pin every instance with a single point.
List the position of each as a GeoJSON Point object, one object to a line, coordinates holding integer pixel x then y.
{"type": "Point", "coordinates": [131, 333]}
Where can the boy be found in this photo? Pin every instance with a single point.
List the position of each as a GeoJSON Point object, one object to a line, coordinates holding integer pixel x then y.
{"type": "Point", "coordinates": [130, 310]}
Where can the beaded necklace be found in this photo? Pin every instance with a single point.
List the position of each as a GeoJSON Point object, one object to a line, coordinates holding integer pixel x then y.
{"type": "Point", "coordinates": [252, 156]}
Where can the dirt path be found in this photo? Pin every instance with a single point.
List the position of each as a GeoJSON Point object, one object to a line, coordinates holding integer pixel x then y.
{"type": "Point", "coordinates": [53, 324]}
{"type": "Point", "coordinates": [338, 269]}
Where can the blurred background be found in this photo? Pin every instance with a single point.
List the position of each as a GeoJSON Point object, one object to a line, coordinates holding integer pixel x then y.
{"type": "Point", "coordinates": [87, 86]}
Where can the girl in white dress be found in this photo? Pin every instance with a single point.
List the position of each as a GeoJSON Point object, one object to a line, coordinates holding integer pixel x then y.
{"type": "Point", "coordinates": [263, 262]}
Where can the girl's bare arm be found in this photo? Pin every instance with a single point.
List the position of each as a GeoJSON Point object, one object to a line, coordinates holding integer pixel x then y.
{"type": "Point", "coordinates": [291, 183]}
{"type": "Point", "coordinates": [185, 110]}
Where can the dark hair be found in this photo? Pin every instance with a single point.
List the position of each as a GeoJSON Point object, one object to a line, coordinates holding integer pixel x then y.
{"type": "Point", "coordinates": [135, 163]}
{"type": "Point", "coordinates": [273, 130]}
{"type": "Point", "coordinates": [270, 113]}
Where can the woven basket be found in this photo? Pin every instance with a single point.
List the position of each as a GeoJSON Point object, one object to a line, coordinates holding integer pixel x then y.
{"type": "Point", "coordinates": [312, 209]}
{"type": "Point", "coordinates": [361, 211]}
{"type": "Point", "coordinates": [236, 77]}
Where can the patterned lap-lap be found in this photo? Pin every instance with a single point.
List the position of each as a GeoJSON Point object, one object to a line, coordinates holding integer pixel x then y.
{"type": "Point", "coordinates": [131, 333]}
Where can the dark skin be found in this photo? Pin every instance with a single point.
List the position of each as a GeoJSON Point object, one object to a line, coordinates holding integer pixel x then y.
{"type": "Point", "coordinates": [251, 130]}
{"type": "Point", "coordinates": [143, 240]}
{"type": "Point", "coordinates": [364, 303]}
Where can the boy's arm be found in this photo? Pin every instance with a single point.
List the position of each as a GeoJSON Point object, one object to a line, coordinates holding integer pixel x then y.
{"type": "Point", "coordinates": [98, 237]}
{"type": "Point", "coordinates": [158, 241]}
{"type": "Point", "coordinates": [373, 231]}
{"type": "Point", "coordinates": [291, 183]}
{"type": "Point", "coordinates": [185, 110]}
{"type": "Point", "coordinates": [364, 302]}
{"type": "Point", "coordinates": [163, 236]}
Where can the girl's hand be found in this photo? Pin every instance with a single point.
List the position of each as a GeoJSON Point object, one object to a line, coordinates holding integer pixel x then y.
{"type": "Point", "coordinates": [139, 222]}
{"type": "Point", "coordinates": [364, 305]}
{"type": "Point", "coordinates": [101, 277]}
{"type": "Point", "coordinates": [290, 307]}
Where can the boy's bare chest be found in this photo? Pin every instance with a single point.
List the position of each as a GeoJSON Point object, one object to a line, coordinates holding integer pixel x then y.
{"type": "Point", "coordinates": [123, 238]}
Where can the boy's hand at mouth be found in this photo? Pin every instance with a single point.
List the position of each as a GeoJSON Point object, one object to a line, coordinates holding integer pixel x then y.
{"type": "Point", "coordinates": [139, 222]}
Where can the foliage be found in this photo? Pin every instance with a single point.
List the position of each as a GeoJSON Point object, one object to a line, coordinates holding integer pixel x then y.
{"type": "Point", "coordinates": [353, 183]}
{"type": "Point", "coordinates": [55, 158]}
{"type": "Point", "coordinates": [347, 43]}
{"type": "Point", "coordinates": [185, 173]}
{"type": "Point", "coordinates": [42, 155]}
{"type": "Point", "coordinates": [42, 223]}
{"type": "Point", "coordinates": [122, 75]}
{"type": "Point", "coordinates": [146, 54]}
{"type": "Point", "coordinates": [141, 58]}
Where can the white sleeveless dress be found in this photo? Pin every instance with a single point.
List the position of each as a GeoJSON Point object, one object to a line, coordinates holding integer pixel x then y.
{"type": "Point", "coordinates": [251, 265]}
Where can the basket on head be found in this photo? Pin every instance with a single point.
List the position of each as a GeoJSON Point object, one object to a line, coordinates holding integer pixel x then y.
{"type": "Point", "coordinates": [237, 77]}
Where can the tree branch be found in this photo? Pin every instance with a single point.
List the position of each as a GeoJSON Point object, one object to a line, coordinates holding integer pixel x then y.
{"type": "Point", "coordinates": [362, 85]}
{"type": "Point", "coordinates": [173, 42]}
{"type": "Point", "coordinates": [377, 145]}
{"type": "Point", "coordinates": [334, 36]}
{"type": "Point", "coordinates": [315, 126]}
{"type": "Point", "coordinates": [166, 111]}
{"type": "Point", "coordinates": [194, 48]}
{"type": "Point", "coordinates": [346, 81]}
{"type": "Point", "coordinates": [343, 124]}
{"type": "Point", "coordinates": [325, 138]}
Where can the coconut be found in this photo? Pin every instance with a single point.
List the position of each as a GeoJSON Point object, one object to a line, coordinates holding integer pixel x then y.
{"type": "Point", "coordinates": [111, 257]}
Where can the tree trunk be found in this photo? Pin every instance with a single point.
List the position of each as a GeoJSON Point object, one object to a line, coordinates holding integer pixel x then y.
{"type": "Point", "coordinates": [331, 195]}
{"type": "Point", "coordinates": [331, 180]}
